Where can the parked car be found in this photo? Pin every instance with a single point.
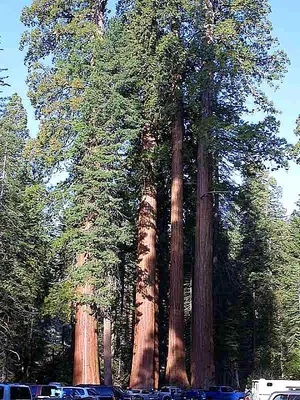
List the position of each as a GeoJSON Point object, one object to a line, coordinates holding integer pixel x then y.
{"type": "Point", "coordinates": [143, 394]}
{"type": "Point", "coordinates": [170, 392]}
{"type": "Point", "coordinates": [194, 394]}
{"type": "Point", "coordinates": [285, 395]}
{"type": "Point", "coordinates": [44, 391]}
{"type": "Point", "coordinates": [223, 393]}
{"type": "Point", "coordinates": [106, 392]}
{"type": "Point", "coordinates": [120, 394]}
{"type": "Point", "coordinates": [75, 392]}
{"type": "Point", "coordinates": [14, 392]}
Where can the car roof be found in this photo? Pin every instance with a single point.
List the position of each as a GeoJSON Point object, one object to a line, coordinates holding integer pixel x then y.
{"type": "Point", "coordinates": [14, 384]}
{"type": "Point", "coordinates": [94, 384]}
{"type": "Point", "coordinates": [171, 387]}
{"type": "Point", "coordinates": [71, 387]}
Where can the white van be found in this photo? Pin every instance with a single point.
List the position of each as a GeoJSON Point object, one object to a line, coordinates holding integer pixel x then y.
{"type": "Point", "coordinates": [11, 391]}
{"type": "Point", "coordinates": [263, 388]}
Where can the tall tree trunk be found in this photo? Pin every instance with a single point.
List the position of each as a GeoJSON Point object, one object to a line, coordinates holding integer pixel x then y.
{"type": "Point", "coordinates": [163, 261]}
{"type": "Point", "coordinates": [107, 351]}
{"type": "Point", "coordinates": [176, 372]}
{"type": "Point", "coordinates": [142, 372]}
{"type": "Point", "coordinates": [202, 359]}
{"type": "Point", "coordinates": [156, 340]}
{"type": "Point", "coordinates": [86, 361]}
{"type": "Point", "coordinates": [86, 364]}
{"type": "Point", "coordinates": [202, 368]}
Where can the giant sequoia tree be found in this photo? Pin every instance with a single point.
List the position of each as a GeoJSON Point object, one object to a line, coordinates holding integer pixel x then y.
{"type": "Point", "coordinates": [237, 54]}
{"type": "Point", "coordinates": [63, 32]}
{"type": "Point", "coordinates": [144, 32]}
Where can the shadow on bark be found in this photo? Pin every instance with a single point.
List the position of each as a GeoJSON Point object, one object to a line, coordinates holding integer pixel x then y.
{"type": "Point", "coordinates": [145, 358]}
{"type": "Point", "coordinates": [143, 378]}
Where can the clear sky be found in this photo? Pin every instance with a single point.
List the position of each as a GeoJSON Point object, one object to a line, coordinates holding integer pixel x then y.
{"type": "Point", "coordinates": [285, 18]}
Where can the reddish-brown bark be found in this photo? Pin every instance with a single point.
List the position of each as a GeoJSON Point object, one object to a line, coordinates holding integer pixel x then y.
{"type": "Point", "coordinates": [156, 339]}
{"type": "Point", "coordinates": [202, 357]}
{"type": "Point", "coordinates": [143, 371]}
{"type": "Point", "coordinates": [107, 351]}
{"type": "Point", "coordinates": [176, 372]}
{"type": "Point", "coordinates": [202, 367]}
{"type": "Point", "coordinates": [86, 364]}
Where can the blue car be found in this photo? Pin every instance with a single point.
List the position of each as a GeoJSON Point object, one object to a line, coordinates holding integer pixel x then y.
{"type": "Point", "coordinates": [224, 393]}
{"type": "Point", "coordinates": [194, 394]}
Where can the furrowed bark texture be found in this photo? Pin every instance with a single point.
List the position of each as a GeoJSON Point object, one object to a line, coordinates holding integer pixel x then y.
{"type": "Point", "coordinates": [202, 357]}
{"type": "Point", "coordinates": [107, 351]}
{"type": "Point", "coordinates": [176, 372]}
{"type": "Point", "coordinates": [156, 340]}
{"type": "Point", "coordinates": [202, 369]}
{"type": "Point", "coordinates": [86, 364]}
{"type": "Point", "coordinates": [143, 371]}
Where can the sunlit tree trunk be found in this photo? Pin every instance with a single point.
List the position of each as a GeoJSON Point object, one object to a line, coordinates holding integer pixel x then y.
{"type": "Point", "coordinates": [176, 372]}
{"type": "Point", "coordinates": [143, 371]}
{"type": "Point", "coordinates": [156, 327]}
{"type": "Point", "coordinates": [86, 364]}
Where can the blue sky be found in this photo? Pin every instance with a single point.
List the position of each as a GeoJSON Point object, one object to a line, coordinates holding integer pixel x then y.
{"type": "Point", "coordinates": [285, 18]}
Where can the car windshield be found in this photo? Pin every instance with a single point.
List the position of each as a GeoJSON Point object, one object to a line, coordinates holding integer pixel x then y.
{"type": "Point", "coordinates": [103, 390]}
{"type": "Point", "coordinates": [19, 392]}
{"type": "Point", "coordinates": [165, 389]}
{"type": "Point", "coordinates": [145, 391]}
{"type": "Point", "coordinates": [67, 391]}
{"type": "Point", "coordinates": [281, 397]}
{"type": "Point", "coordinates": [227, 389]}
{"type": "Point", "coordinates": [213, 389]}
{"type": "Point", "coordinates": [135, 391]}
{"type": "Point", "coordinates": [92, 392]}
{"type": "Point", "coordinates": [79, 392]}
{"type": "Point", "coordinates": [48, 391]}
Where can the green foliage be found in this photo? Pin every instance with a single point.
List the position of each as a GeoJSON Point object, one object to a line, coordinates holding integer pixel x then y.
{"type": "Point", "coordinates": [24, 243]}
{"type": "Point", "coordinates": [59, 43]}
{"type": "Point", "coordinates": [256, 286]}
{"type": "Point", "coordinates": [94, 93]}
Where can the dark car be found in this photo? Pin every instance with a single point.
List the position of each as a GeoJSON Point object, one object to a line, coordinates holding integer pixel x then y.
{"type": "Point", "coordinates": [194, 394]}
{"type": "Point", "coordinates": [142, 394]}
{"type": "Point", "coordinates": [121, 394]}
{"type": "Point", "coordinates": [15, 391]}
{"type": "Point", "coordinates": [77, 393]}
{"type": "Point", "coordinates": [106, 392]}
{"type": "Point", "coordinates": [170, 393]}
